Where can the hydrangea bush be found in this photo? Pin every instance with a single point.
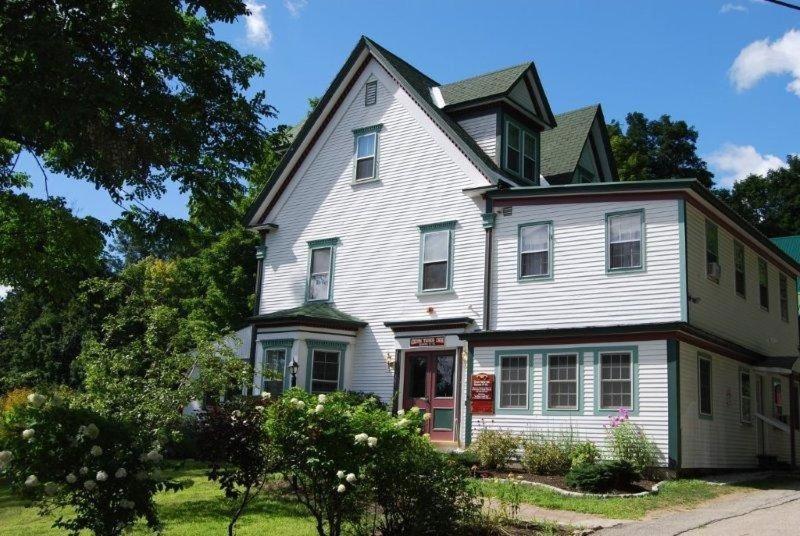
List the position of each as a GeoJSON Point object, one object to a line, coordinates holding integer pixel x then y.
{"type": "Point", "coordinates": [62, 455]}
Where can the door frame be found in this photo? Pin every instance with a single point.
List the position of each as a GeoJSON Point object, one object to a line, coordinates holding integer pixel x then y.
{"type": "Point", "coordinates": [406, 402]}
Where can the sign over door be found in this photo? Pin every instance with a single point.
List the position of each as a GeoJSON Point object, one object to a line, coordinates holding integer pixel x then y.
{"type": "Point", "coordinates": [426, 341]}
{"type": "Point", "coordinates": [482, 393]}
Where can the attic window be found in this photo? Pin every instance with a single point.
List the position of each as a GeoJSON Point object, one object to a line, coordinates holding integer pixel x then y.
{"type": "Point", "coordinates": [521, 151]}
{"type": "Point", "coordinates": [371, 93]}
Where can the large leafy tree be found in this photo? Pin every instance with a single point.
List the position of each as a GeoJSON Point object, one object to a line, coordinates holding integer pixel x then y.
{"type": "Point", "coordinates": [656, 149]}
{"type": "Point", "coordinates": [771, 202]}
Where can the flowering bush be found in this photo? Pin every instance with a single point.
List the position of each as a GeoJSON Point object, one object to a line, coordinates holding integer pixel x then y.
{"type": "Point", "coordinates": [62, 455]}
{"type": "Point", "coordinates": [328, 448]}
{"type": "Point", "coordinates": [627, 441]}
{"type": "Point", "coordinates": [543, 455]}
{"type": "Point", "coordinates": [494, 448]}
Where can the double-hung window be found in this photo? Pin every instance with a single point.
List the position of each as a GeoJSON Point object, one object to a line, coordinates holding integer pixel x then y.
{"type": "Point", "coordinates": [535, 250]}
{"type": "Point", "coordinates": [366, 167]}
{"type": "Point", "coordinates": [777, 400]}
{"type": "Point", "coordinates": [745, 396]}
{"type": "Point", "coordinates": [437, 257]}
{"type": "Point", "coordinates": [273, 369]}
{"type": "Point", "coordinates": [514, 382]}
{"type": "Point", "coordinates": [562, 381]}
{"type": "Point", "coordinates": [740, 281]}
{"type": "Point", "coordinates": [704, 402]}
{"type": "Point", "coordinates": [529, 155]}
{"type": "Point", "coordinates": [320, 269]}
{"type": "Point", "coordinates": [763, 284]}
{"type": "Point", "coordinates": [784, 297]}
{"type": "Point", "coordinates": [325, 371]}
{"type": "Point", "coordinates": [513, 147]}
{"type": "Point", "coordinates": [624, 233]}
{"type": "Point", "coordinates": [616, 380]}
{"type": "Point", "coordinates": [712, 251]}
{"type": "Point", "coordinates": [521, 151]}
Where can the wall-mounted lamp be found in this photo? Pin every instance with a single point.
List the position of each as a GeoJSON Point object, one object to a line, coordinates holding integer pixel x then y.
{"type": "Point", "coordinates": [293, 369]}
{"type": "Point", "coordinates": [391, 361]}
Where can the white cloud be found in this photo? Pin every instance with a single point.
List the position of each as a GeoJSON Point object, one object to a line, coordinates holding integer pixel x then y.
{"type": "Point", "coordinates": [4, 291]}
{"type": "Point", "coordinates": [762, 58]}
{"type": "Point", "coordinates": [727, 8]}
{"type": "Point", "coordinates": [295, 6]}
{"type": "Point", "coordinates": [258, 30]}
{"type": "Point", "coordinates": [736, 162]}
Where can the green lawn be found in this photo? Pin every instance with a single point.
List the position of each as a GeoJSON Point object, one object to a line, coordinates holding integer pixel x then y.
{"type": "Point", "coordinates": [676, 494]}
{"type": "Point", "coordinates": [199, 509]}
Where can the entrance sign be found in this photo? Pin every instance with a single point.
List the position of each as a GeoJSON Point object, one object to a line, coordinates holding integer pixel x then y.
{"type": "Point", "coordinates": [427, 341]}
{"type": "Point", "coordinates": [482, 393]}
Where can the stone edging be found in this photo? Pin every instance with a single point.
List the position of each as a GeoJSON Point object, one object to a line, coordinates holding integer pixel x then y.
{"type": "Point", "coordinates": [653, 491]}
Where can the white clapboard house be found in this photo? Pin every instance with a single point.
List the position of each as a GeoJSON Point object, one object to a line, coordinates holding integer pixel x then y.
{"type": "Point", "coordinates": [461, 248]}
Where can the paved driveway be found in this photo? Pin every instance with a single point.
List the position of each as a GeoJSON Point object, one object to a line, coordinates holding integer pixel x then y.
{"type": "Point", "coordinates": [774, 512]}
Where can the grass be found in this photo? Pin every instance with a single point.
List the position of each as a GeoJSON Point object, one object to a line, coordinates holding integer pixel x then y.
{"type": "Point", "coordinates": [199, 509]}
{"type": "Point", "coordinates": [675, 494]}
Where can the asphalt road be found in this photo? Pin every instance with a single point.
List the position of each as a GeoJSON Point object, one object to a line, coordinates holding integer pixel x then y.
{"type": "Point", "coordinates": [773, 512]}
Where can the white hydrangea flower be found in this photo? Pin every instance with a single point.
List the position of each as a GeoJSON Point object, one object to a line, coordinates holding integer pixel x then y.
{"type": "Point", "coordinates": [322, 399]}
{"type": "Point", "coordinates": [401, 423]}
{"type": "Point", "coordinates": [340, 474]}
{"type": "Point", "coordinates": [5, 458]}
{"type": "Point", "coordinates": [319, 409]}
{"type": "Point", "coordinates": [259, 409]}
{"type": "Point", "coordinates": [121, 473]}
{"type": "Point", "coordinates": [401, 412]}
{"type": "Point", "coordinates": [414, 409]}
{"type": "Point", "coordinates": [50, 488]}
{"type": "Point", "coordinates": [28, 433]}
{"type": "Point", "coordinates": [83, 470]}
{"type": "Point", "coordinates": [92, 431]}
{"type": "Point", "coordinates": [361, 438]}
{"type": "Point", "coordinates": [426, 417]}
{"type": "Point", "coordinates": [101, 476]}
{"type": "Point", "coordinates": [341, 488]}
{"type": "Point", "coordinates": [31, 481]}
{"type": "Point", "coordinates": [90, 485]}
{"type": "Point", "coordinates": [266, 395]}
{"type": "Point", "coordinates": [96, 451]}
{"type": "Point", "coordinates": [153, 456]}
{"type": "Point", "coordinates": [294, 401]}
{"type": "Point", "coordinates": [426, 436]}
{"type": "Point", "coordinates": [301, 404]}
{"type": "Point", "coordinates": [71, 478]}
{"type": "Point", "coordinates": [36, 400]}
{"type": "Point", "coordinates": [372, 441]}
{"type": "Point", "coordinates": [350, 478]}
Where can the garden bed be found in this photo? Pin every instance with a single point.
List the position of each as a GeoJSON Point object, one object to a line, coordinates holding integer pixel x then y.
{"type": "Point", "coordinates": [557, 482]}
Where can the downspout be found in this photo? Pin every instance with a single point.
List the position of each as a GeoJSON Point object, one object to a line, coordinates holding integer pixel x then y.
{"type": "Point", "coordinates": [396, 383]}
{"type": "Point", "coordinates": [261, 253]}
{"type": "Point", "coordinates": [489, 218]}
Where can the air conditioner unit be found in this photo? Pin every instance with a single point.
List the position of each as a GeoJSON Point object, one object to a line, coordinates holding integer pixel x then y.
{"type": "Point", "coordinates": [713, 270]}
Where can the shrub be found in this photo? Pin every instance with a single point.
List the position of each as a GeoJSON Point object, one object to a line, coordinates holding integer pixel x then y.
{"type": "Point", "coordinates": [14, 398]}
{"type": "Point", "coordinates": [627, 441]}
{"type": "Point", "coordinates": [465, 458]}
{"type": "Point", "coordinates": [494, 448]}
{"type": "Point", "coordinates": [555, 456]}
{"type": "Point", "coordinates": [62, 455]}
{"type": "Point", "coordinates": [601, 477]}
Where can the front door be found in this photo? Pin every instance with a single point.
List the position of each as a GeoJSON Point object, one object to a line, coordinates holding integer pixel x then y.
{"type": "Point", "coordinates": [430, 385]}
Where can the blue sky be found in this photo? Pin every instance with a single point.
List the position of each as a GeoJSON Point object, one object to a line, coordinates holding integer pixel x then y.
{"type": "Point", "coordinates": [657, 57]}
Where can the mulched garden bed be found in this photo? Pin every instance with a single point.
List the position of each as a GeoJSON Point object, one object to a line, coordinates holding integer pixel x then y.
{"type": "Point", "coordinates": [558, 481]}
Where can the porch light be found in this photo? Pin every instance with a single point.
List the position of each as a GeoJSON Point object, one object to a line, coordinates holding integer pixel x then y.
{"type": "Point", "coordinates": [390, 361]}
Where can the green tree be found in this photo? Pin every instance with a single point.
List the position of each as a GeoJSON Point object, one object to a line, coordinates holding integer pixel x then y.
{"type": "Point", "coordinates": [771, 202]}
{"type": "Point", "coordinates": [656, 149]}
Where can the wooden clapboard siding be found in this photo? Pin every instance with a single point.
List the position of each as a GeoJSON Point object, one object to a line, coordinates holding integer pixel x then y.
{"type": "Point", "coordinates": [421, 177]}
{"type": "Point", "coordinates": [716, 306]}
{"type": "Point", "coordinates": [581, 293]}
{"type": "Point", "coordinates": [652, 399]}
{"type": "Point", "coordinates": [483, 130]}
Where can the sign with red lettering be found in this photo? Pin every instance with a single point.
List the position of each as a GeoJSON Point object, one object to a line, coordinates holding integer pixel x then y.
{"type": "Point", "coordinates": [482, 393]}
{"type": "Point", "coordinates": [427, 341]}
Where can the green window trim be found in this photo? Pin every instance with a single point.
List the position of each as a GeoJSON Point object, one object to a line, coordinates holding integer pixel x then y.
{"type": "Point", "coordinates": [498, 355]}
{"type": "Point", "coordinates": [361, 132]}
{"type": "Point", "coordinates": [325, 243]}
{"type": "Point", "coordinates": [448, 226]}
{"type": "Point", "coordinates": [634, 352]}
{"type": "Point", "coordinates": [546, 409]}
{"type": "Point", "coordinates": [643, 240]}
{"type": "Point", "coordinates": [739, 253]}
{"type": "Point", "coordinates": [742, 373]}
{"type": "Point", "coordinates": [281, 344]}
{"type": "Point", "coordinates": [317, 344]}
{"type": "Point", "coordinates": [550, 261]}
{"type": "Point", "coordinates": [523, 133]}
{"type": "Point", "coordinates": [712, 250]}
{"type": "Point", "coordinates": [701, 357]}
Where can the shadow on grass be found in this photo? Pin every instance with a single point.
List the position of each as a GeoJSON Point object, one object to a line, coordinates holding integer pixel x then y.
{"type": "Point", "coordinates": [779, 482]}
{"type": "Point", "coordinates": [220, 509]}
{"type": "Point", "coordinates": [10, 500]}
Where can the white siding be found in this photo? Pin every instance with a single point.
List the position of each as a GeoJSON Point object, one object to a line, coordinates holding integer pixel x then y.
{"type": "Point", "coordinates": [376, 263]}
{"type": "Point", "coordinates": [721, 311]}
{"type": "Point", "coordinates": [652, 400]}
{"type": "Point", "coordinates": [723, 440]}
{"type": "Point", "coordinates": [483, 130]}
{"type": "Point", "coordinates": [581, 293]}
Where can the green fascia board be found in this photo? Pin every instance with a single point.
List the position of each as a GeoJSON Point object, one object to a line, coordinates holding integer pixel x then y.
{"type": "Point", "coordinates": [649, 185]}
{"type": "Point", "coordinates": [673, 404]}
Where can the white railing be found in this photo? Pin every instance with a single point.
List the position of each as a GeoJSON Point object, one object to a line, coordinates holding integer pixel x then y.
{"type": "Point", "coordinates": [780, 425]}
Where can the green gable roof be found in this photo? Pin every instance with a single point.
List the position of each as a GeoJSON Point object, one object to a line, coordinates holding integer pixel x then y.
{"type": "Point", "coordinates": [791, 246]}
{"type": "Point", "coordinates": [483, 86]}
{"type": "Point", "coordinates": [319, 314]}
{"type": "Point", "coordinates": [562, 145]}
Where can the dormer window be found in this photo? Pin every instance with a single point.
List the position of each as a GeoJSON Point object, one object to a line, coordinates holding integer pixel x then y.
{"type": "Point", "coordinates": [366, 157]}
{"type": "Point", "coordinates": [521, 151]}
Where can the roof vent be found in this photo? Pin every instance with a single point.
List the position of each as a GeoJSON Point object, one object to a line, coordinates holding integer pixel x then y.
{"type": "Point", "coordinates": [507, 211]}
{"type": "Point", "coordinates": [371, 93]}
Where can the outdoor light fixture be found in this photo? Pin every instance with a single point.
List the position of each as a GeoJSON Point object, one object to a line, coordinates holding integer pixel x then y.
{"type": "Point", "coordinates": [293, 369]}
{"type": "Point", "coordinates": [390, 361]}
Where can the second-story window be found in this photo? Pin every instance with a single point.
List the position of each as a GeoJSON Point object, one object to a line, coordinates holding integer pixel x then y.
{"type": "Point", "coordinates": [712, 251]}
{"type": "Point", "coordinates": [784, 293]}
{"type": "Point", "coordinates": [739, 267]}
{"type": "Point", "coordinates": [534, 250]}
{"type": "Point", "coordinates": [624, 233]}
{"type": "Point", "coordinates": [521, 150]}
{"type": "Point", "coordinates": [320, 269]}
{"type": "Point", "coordinates": [763, 284]}
{"type": "Point", "coordinates": [436, 256]}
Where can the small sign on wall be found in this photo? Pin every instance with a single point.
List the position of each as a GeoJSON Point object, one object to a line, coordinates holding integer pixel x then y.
{"type": "Point", "coordinates": [437, 340]}
{"type": "Point", "coordinates": [482, 393]}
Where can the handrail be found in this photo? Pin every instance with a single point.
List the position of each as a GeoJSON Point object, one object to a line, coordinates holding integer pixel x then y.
{"type": "Point", "coordinates": [782, 426]}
